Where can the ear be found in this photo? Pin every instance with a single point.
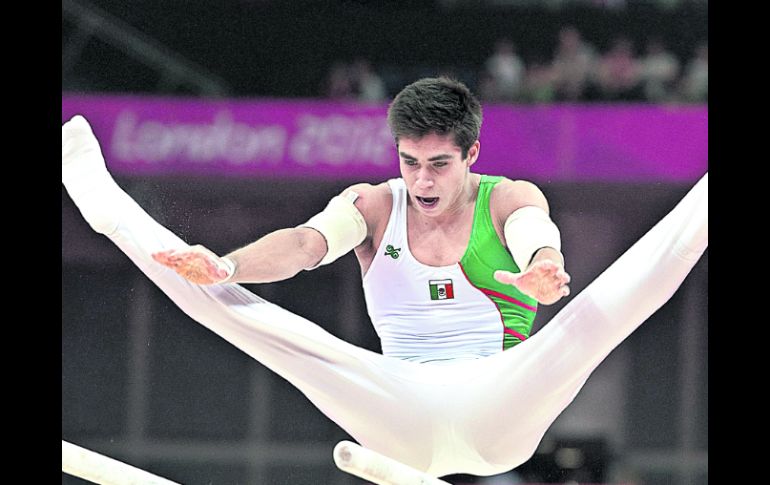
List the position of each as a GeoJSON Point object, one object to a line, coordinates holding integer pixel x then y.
{"type": "Point", "coordinates": [473, 153]}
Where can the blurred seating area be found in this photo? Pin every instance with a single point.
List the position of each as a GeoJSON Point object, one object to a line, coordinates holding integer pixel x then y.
{"type": "Point", "coordinates": [577, 72]}
{"type": "Point", "coordinates": [507, 51]}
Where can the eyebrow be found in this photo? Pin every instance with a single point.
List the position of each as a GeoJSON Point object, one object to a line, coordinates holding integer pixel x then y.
{"type": "Point", "coordinates": [443, 156]}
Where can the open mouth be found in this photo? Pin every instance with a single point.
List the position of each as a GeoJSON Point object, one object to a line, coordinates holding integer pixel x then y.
{"type": "Point", "coordinates": [427, 202]}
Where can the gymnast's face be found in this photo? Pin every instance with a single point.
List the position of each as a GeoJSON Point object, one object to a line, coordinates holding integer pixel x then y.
{"type": "Point", "coordinates": [435, 173]}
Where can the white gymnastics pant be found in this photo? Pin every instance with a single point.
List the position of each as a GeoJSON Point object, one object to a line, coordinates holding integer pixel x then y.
{"type": "Point", "coordinates": [480, 417]}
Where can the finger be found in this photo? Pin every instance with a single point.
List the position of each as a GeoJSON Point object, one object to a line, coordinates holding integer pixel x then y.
{"type": "Point", "coordinates": [165, 260]}
{"type": "Point", "coordinates": [198, 256]}
{"type": "Point", "coordinates": [561, 279]}
{"type": "Point", "coordinates": [162, 255]}
{"type": "Point", "coordinates": [186, 258]}
{"type": "Point", "coordinates": [173, 257]}
{"type": "Point", "coordinates": [505, 277]}
{"type": "Point", "coordinates": [547, 265]}
{"type": "Point", "coordinates": [546, 272]}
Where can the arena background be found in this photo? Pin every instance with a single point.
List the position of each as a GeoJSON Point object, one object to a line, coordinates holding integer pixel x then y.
{"type": "Point", "coordinates": [143, 383]}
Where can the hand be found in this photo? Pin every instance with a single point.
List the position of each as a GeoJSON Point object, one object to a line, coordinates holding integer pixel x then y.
{"type": "Point", "coordinates": [545, 281]}
{"type": "Point", "coordinates": [196, 264]}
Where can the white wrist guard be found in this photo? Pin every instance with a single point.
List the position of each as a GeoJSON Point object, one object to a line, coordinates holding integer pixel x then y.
{"type": "Point", "coordinates": [528, 229]}
{"type": "Point", "coordinates": [341, 224]}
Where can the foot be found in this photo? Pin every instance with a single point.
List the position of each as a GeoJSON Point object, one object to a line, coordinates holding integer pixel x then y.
{"type": "Point", "coordinates": [85, 174]}
{"type": "Point", "coordinates": [80, 151]}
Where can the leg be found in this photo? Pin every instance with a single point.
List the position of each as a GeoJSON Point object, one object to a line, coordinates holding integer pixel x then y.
{"type": "Point", "coordinates": [542, 375]}
{"type": "Point", "coordinates": [349, 384]}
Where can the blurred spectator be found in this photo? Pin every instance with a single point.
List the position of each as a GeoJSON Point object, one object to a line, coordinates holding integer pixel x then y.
{"type": "Point", "coordinates": [617, 74]}
{"type": "Point", "coordinates": [339, 82]}
{"type": "Point", "coordinates": [572, 64]}
{"type": "Point", "coordinates": [539, 83]}
{"type": "Point", "coordinates": [367, 83]}
{"type": "Point", "coordinates": [505, 72]}
{"type": "Point", "coordinates": [659, 72]}
{"type": "Point", "coordinates": [695, 81]}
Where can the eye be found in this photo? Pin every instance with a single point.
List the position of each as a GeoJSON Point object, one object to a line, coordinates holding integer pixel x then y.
{"type": "Point", "coordinates": [409, 162]}
{"type": "Point", "coordinates": [439, 164]}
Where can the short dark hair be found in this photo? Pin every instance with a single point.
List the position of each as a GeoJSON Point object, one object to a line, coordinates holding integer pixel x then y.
{"type": "Point", "coordinates": [442, 106]}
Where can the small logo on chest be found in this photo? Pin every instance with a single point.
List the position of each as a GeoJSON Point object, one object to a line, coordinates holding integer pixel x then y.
{"type": "Point", "coordinates": [441, 289]}
{"type": "Point", "coordinates": [391, 251]}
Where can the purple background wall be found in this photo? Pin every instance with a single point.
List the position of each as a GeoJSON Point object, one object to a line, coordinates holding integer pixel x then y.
{"type": "Point", "coordinates": [319, 139]}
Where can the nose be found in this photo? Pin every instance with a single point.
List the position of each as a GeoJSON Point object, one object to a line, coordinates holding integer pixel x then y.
{"type": "Point", "coordinates": [424, 179]}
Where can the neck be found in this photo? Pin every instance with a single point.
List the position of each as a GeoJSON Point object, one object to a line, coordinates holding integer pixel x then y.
{"type": "Point", "coordinates": [463, 202]}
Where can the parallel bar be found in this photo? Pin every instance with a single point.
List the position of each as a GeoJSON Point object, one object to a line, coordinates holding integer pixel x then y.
{"type": "Point", "coordinates": [228, 452]}
{"type": "Point", "coordinates": [96, 468]}
{"type": "Point", "coordinates": [381, 470]}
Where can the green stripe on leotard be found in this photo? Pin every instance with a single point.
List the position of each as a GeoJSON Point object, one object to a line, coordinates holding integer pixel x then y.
{"type": "Point", "coordinates": [485, 255]}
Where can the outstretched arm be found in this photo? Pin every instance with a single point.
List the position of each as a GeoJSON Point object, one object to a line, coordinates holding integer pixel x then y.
{"type": "Point", "coordinates": [336, 230]}
{"type": "Point", "coordinates": [534, 242]}
{"type": "Point", "coordinates": [274, 257]}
